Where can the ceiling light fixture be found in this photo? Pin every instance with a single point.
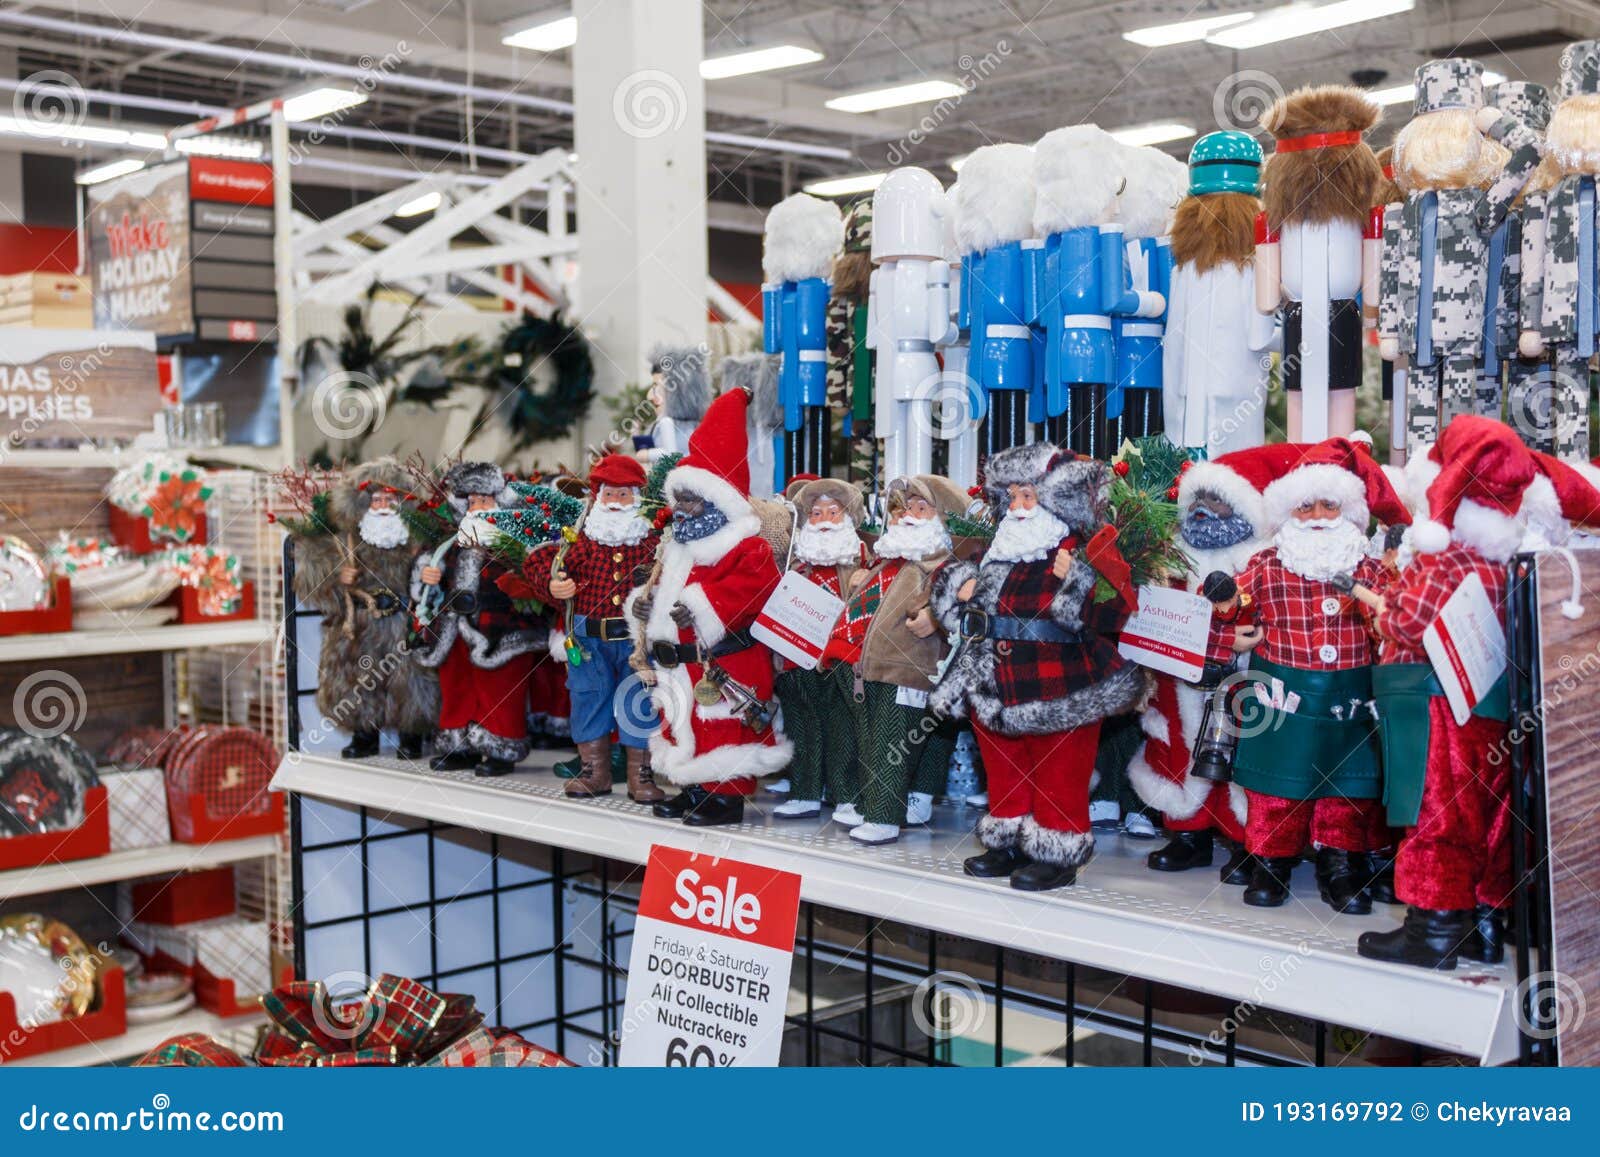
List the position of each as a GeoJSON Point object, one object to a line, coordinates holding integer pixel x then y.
{"type": "Point", "coordinates": [109, 171]}
{"type": "Point", "coordinates": [1296, 20]}
{"type": "Point", "coordinates": [545, 36]}
{"type": "Point", "coordinates": [87, 134]}
{"type": "Point", "coordinates": [1158, 133]}
{"type": "Point", "coordinates": [844, 186]}
{"type": "Point", "coordinates": [417, 206]}
{"type": "Point", "coordinates": [919, 92]}
{"type": "Point", "coordinates": [1185, 31]}
{"type": "Point", "coordinates": [320, 102]}
{"type": "Point", "coordinates": [212, 145]}
{"type": "Point", "coordinates": [757, 60]}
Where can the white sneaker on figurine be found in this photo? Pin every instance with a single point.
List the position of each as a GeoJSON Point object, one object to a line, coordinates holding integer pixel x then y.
{"type": "Point", "coordinates": [978, 799]}
{"type": "Point", "coordinates": [778, 786]}
{"type": "Point", "coordinates": [875, 834]}
{"type": "Point", "coordinates": [1138, 825]}
{"type": "Point", "coordinates": [798, 809]}
{"type": "Point", "coordinates": [1104, 812]}
{"type": "Point", "coordinates": [847, 815]}
{"type": "Point", "coordinates": [919, 807]}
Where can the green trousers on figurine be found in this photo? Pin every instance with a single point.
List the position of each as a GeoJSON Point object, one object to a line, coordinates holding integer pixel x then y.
{"type": "Point", "coordinates": [816, 718]}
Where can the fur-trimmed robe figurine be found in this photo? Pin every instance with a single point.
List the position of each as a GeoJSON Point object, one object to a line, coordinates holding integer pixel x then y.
{"type": "Point", "coordinates": [1037, 670]}
{"type": "Point", "coordinates": [826, 551]}
{"type": "Point", "coordinates": [714, 573]}
{"type": "Point", "coordinates": [1214, 388]}
{"type": "Point", "coordinates": [1461, 165]}
{"type": "Point", "coordinates": [595, 573]}
{"type": "Point", "coordinates": [481, 645]}
{"type": "Point", "coordinates": [680, 391]}
{"type": "Point", "coordinates": [1317, 250]}
{"type": "Point", "coordinates": [1221, 513]}
{"type": "Point", "coordinates": [849, 358]}
{"type": "Point", "coordinates": [1448, 786]}
{"type": "Point", "coordinates": [358, 576]}
{"type": "Point", "coordinates": [1560, 311]}
{"type": "Point", "coordinates": [1310, 763]}
{"type": "Point", "coordinates": [758, 376]}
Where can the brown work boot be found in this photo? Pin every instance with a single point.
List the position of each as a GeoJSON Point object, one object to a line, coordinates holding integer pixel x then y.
{"type": "Point", "coordinates": [594, 770]}
{"type": "Point", "coordinates": [641, 778]}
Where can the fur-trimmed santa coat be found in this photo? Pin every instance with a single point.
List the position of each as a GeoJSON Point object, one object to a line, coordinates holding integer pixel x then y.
{"type": "Point", "coordinates": [495, 632]}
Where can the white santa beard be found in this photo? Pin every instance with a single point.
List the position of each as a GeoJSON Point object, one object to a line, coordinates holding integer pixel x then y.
{"type": "Point", "coordinates": [827, 543]}
{"type": "Point", "coordinates": [1027, 536]}
{"type": "Point", "coordinates": [1318, 549]}
{"type": "Point", "coordinates": [383, 528]}
{"type": "Point", "coordinates": [616, 527]}
{"type": "Point", "coordinates": [475, 529]}
{"type": "Point", "coordinates": [913, 538]}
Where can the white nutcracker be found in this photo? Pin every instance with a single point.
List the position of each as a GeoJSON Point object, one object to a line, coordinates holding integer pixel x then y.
{"type": "Point", "coordinates": [959, 408]}
{"type": "Point", "coordinates": [908, 314]}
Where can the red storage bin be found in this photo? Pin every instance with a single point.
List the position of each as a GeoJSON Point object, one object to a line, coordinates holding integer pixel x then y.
{"type": "Point", "coordinates": [218, 996]}
{"type": "Point", "coordinates": [132, 532]}
{"type": "Point", "coordinates": [184, 897]}
{"type": "Point", "coordinates": [89, 839]}
{"type": "Point", "coordinates": [217, 786]}
{"type": "Point", "coordinates": [189, 606]}
{"type": "Point", "coordinates": [109, 1020]}
{"type": "Point", "coordinates": [42, 620]}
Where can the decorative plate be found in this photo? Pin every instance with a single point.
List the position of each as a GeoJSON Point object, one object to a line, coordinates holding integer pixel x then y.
{"type": "Point", "coordinates": [43, 780]}
{"type": "Point", "coordinates": [24, 578]}
{"type": "Point", "coordinates": [52, 973]}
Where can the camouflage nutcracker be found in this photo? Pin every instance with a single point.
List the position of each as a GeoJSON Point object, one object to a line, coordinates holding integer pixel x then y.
{"type": "Point", "coordinates": [1436, 253]}
{"type": "Point", "coordinates": [849, 381]}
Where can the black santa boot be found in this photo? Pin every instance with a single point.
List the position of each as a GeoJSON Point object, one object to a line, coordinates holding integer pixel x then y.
{"type": "Point", "coordinates": [1339, 882]}
{"type": "Point", "coordinates": [1056, 857]}
{"type": "Point", "coordinates": [1240, 867]}
{"type": "Point", "coordinates": [1486, 940]}
{"type": "Point", "coordinates": [411, 744]}
{"type": "Point", "coordinates": [1184, 850]}
{"type": "Point", "coordinates": [1269, 881]}
{"type": "Point", "coordinates": [1002, 855]}
{"type": "Point", "coordinates": [1429, 938]}
{"type": "Point", "coordinates": [362, 745]}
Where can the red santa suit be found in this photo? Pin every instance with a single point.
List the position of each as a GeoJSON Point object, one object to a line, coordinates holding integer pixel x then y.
{"type": "Point", "coordinates": [723, 579]}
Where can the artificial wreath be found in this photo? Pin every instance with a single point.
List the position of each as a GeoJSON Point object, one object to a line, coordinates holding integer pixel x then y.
{"type": "Point", "coordinates": [540, 414]}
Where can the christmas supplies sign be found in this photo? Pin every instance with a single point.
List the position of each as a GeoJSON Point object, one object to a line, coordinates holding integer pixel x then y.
{"type": "Point", "coordinates": [76, 384]}
{"type": "Point", "coordinates": [140, 252]}
{"type": "Point", "coordinates": [797, 620]}
{"type": "Point", "coordinates": [708, 978]}
{"type": "Point", "coordinates": [1168, 633]}
{"type": "Point", "coordinates": [1467, 646]}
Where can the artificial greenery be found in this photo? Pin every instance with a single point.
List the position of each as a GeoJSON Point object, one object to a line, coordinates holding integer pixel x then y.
{"type": "Point", "coordinates": [653, 497]}
{"type": "Point", "coordinates": [316, 520]}
{"type": "Point", "coordinates": [538, 414]}
{"type": "Point", "coordinates": [1140, 504]}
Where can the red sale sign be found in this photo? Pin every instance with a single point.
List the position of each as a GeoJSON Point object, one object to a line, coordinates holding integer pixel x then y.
{"type": "Point", "coordinates": [742, 901]}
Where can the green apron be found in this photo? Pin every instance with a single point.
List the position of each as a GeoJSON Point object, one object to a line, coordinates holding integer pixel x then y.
{"type": "Point", "coordinates": [1307, 753]}
{"type": "Point", "coordinates": [1402, 691]}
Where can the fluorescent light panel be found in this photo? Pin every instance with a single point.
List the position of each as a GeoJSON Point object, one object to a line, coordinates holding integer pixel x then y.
{"type": "Point", "coordinates": [211, 145]}
{"type": "Point", "coordinates": [844, 186]}
{"type": "Point", "coordinates": [1296, 20]}
{"type": "Point", "coordinates": [1158, 133]}
{"type": "Point", "coordinates": [321, 102]}
{"type": "Point", "coordinates": [757, 60]}
{"type": "Point", "coordinates": [88, 134]}
{"type": "Point", "coordinates": [109, 171]}
{"type": "Point", "coordinates": [416, 207]}
{"type": "Point", "coordinates": [1185, 31]}
{"type": "Point", "coordinates": [919, 92]}
{"type": "Point", "coordinates": [545, 36]}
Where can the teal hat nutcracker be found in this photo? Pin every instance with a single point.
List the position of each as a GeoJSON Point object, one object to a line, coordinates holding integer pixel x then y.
{"type": "Point", "coordinates": [1225, 162]}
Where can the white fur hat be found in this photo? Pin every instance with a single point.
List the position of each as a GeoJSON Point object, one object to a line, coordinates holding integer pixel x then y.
{"type": "Point", "coordinates": [1077, 176]}
{"type": "Point", "coordinates": [803, 235]}
{"type": "Point", "coordinates": [994, 197]}
{"type": "Point", "coordinates": [1156, 183]}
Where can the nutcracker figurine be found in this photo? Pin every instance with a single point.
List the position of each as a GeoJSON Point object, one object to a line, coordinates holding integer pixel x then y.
{"type": "Point", "coordinates": [1459, 184]}
{"type": "Point", "coordinates": [849, 358]}
{"type": "Point", "coordinates": [999, 266]}
{"type": "Point", "coordinates": [909, 313]}
{"type": "Point", "coordinates": [1560, 310]}
{"type": "Point", "coordinates": [1317, 250]}
{"type": "Point", "coordinates": [958, 402]}
{"type": "Point", "coordinates": [1216, 362]}
{"type": "Point", "coordinates": [803, 235]}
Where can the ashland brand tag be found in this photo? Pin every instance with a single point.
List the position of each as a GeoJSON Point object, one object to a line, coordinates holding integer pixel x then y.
{"type": "Point", "coordinates": [797, 620]}
{"type": "Point", "coordinates": [1168, 632]}
{"type": "Point", "coordinates": [1467, 646]}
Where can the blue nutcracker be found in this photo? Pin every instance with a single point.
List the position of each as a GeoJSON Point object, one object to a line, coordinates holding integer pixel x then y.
{"type": "Point", "coordinates": [1000, 264]}
{"type": "Point", "coordinates": [1077, 179]}
{"type": "Point", "coordinates": [803, 235]}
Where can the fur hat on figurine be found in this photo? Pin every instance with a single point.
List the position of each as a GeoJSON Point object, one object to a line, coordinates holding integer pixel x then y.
{"type": "Point", "coordinates": [616, 470]}
{"type": "Point", "coordinates": [803, 235]}
{"type": "Point", "coordinates": [1528, 102]}
{"type": "Point", "coordinates": [685, 380]}
{"type": "Point", "coordinates": [757, 375]}
{"type": "Point", "coordinates": [1335, 470]}
{"type": "Point", "coordinates": [466, 479]}
{"type": "Point", "coordinates": [1476, 497]}
{"type": "Point", "coordinates": [994, 197]}
{"type": "Point", "coordinates": [1077, 177]}
{"type": "Point", "coordinates": [1071, 487]}
{"type": "Point", "coordinates": [1155, 185]}
{"type": "Point", "coordinates": [352, 497]}
{"type": "Point", "coordinates": [1322, 168]}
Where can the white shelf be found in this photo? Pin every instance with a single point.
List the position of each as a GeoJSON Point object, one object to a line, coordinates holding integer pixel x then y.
{"type": "Point", "coordinates": [138, 1040]}
{"type": "Point", "coordinates": [111, 641]}
{"type": "Point", "coordinates": [1184, 928]}
{"type": "Point", "coordinates": [102, 458]}
{"type": "Point", "coordinates": [132, 865]}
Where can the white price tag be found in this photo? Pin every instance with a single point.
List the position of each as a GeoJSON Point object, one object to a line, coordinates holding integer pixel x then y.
{"type": "Point", "coordinates": [797, 620]}
{"type": "Point", "coordinates": [1467, 646]}
{"type": "Point", "coordinates": [1168, 632]}
{"type": "Point", "coordinates": [911, 697]}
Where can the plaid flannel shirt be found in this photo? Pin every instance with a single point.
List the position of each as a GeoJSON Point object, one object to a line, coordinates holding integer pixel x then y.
{"type": "Point", "coordinates": [1306, 623]}
{"type": "Point", "coordinates": [604, 574]}
{"type": "Point", "coordinates": [850, 633]}
{"type": "Point", "coordinates": [1038, 672]}
{"type": "Point", "coordinates": [1420, 593]}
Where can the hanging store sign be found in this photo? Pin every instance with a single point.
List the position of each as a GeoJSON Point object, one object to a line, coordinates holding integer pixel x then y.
{"type": "Point", "coordinates": [77, 384]}
{"type": "Point", "coordinates": [708, 977]}
{"type": "Point", "coordinates": [1168, 633]}
{"type": "Point", "coordinates": [140, 253]}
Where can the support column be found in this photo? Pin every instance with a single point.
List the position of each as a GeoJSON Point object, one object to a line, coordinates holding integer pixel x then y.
{"type": "Point", "coordinates": [641, 186]}
{"type": "Point", "coordinates": [10, 162]}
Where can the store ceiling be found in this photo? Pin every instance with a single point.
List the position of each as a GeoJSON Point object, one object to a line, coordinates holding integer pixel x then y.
{"type": "Point", "coordinates": [1029, 65]}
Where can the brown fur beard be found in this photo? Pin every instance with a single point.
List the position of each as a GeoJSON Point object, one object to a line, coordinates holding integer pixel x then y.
{"type": "Point", "coordinates": [852, 275]}
{"type": "Point", "coordinates": [1316, 186]}
{"type": "Point", "coordinates": [1213, 229]}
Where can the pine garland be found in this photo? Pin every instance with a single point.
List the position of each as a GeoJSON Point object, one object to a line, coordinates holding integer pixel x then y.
{"type": "Point", "coordinates": [1141, 505]}
{"type": "Point", "coordinates": [653, 497]}
{"type": "Point", "coordinates": [317, 520]}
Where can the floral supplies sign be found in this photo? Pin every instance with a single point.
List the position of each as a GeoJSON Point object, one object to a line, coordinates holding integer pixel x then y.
{"type": "Point", "coordinates": [139, 248]}
{"type": "Point", "coordinates": [77, 385]}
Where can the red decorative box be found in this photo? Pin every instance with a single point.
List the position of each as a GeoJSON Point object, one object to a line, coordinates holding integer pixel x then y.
{"type": "Point", "coordinates": [189, 606]}
{"type": "Point", "coordinates": [42, 620]}
{"type": "Point", "coordinates": [109, 1020]}
{"type": "Point", "coordinates": [184, 897]}
{"type": "Point", "coordinates": [132, 532]}
{"type": "Point", "coordinates": [89, 839]}
{"type": "Point", "coordinates": [218, 995]}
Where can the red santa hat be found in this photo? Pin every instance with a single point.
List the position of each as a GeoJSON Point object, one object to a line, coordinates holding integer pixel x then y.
{"type": "Point", "coordinates": [616, 470]}
{"type": "Point", "coordinates": [1575, 488]}
{"type": "Point", "coordinates": [1476, 498]}
{"type": "Point", "coordinates": [1240, 478]}
{"type": "Point", "coordinates": [1336, 470]}
{"type": "Point", "coordinates": [717, 466]}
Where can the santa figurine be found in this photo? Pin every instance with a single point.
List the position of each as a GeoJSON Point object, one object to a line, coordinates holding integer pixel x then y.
{"type": "Point", "coordinates": [1317, 250]}
{"type": "Point", "coordinates": [827, 551]}
{"type": "Point", "coordinates": [712, 683]}
{"type": "Point", "coordinates": [882, 659]}
{"type": "Point", "coordinates": [1220, 512]}
{"type": "Point", "coordinates": [480, 643]}
{"type": "Point", "coordinates": [1448, 782]}
{"type": "Point", "coordinates": [1308, 756]}
{"type": "Point", "coordinates": [358, 577]}
{"type": "Point", "coordinates": [1034, 665]}
{"type": "Point", "coordinates": [588, 579]}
